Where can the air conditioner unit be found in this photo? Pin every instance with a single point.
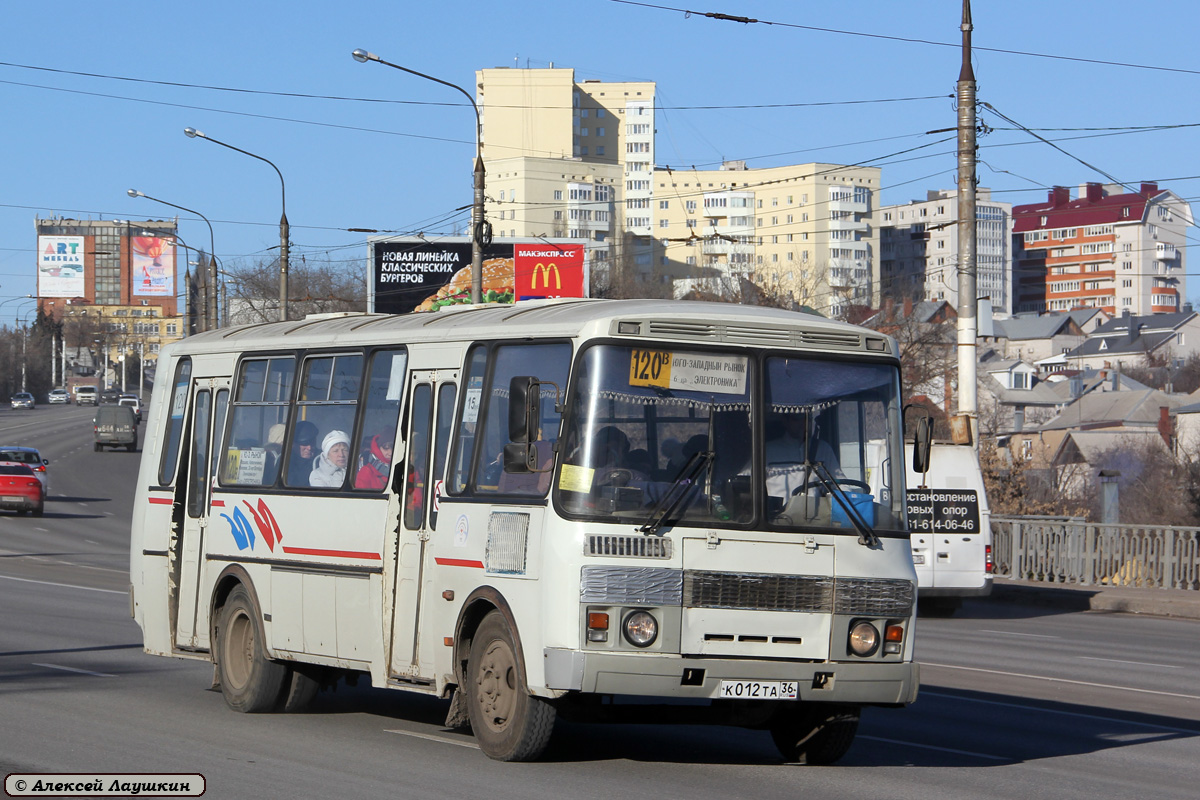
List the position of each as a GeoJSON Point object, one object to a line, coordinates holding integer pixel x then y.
{"type": "Point", "coordinates": [145, 302]}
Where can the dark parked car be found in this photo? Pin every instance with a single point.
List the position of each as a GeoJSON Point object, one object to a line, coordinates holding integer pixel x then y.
{"type": "Point", "coordinates": [20, 489]}
{"type": "Point", "coordinates": [115, 426]}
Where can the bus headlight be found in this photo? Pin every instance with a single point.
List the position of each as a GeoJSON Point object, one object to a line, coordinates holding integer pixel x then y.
{"type": "Point", "coordinates": [864, 639]}
{"type": "Point", "coordinates": [640, 629]}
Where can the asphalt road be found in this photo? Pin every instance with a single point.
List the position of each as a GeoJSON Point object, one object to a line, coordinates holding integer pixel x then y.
{"type": "Point", "coordinates": [1015, 701]}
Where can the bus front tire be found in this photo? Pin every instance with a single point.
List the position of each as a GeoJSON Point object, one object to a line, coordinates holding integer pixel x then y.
{"type": "Point", "coordinates": [815, 735]}
{"type": "Point", "coordinates": [250, 682]}
{"type": "Point", "coordinates": [509, 723]}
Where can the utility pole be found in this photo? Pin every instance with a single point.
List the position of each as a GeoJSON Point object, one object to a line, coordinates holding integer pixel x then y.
{"type": "Point", "coordinates": [965, 425]}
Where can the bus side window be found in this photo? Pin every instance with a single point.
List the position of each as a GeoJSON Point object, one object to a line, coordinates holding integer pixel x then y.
{"type": "Point", "coordinates": [381, 409]}
{"type": "Point", "coordinates": [175, 417]}
{"type": "Point", "coordinates": [547, 362]}
{"type": "Point", "coordinates": [262, 395]}
{"type": "Point", "coordinates": [464, 442]}
{"type": "Point", "coordinates": [328, 400]}
{"type": "Point", "coordinates": [417, 463]}
{"type": "Point", "coordinates": [445, 420]}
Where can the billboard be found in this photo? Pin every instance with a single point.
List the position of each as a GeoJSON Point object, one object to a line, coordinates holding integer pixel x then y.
{"type": "Point", "coordinates": [153, 266]}
{"type": "Point", "coordinates": [60, 266]}
{"type": "Point", "coordinates": [416, 274]}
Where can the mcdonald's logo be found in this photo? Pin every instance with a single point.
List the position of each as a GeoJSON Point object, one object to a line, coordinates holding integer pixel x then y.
{"type": "Point", "coordinates": [544, 270]}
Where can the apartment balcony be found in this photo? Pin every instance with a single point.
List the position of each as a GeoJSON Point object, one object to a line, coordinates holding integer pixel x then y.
{"type": "Point", "coordinates": [846, 224]}
{"type": "Point", "coordinates": [847, 205]}
{"type": "Point", "coordinates": [1164, 251]}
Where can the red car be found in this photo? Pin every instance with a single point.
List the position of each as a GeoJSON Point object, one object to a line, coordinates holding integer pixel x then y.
{"type": "Point", "coordinates": [20, 489]}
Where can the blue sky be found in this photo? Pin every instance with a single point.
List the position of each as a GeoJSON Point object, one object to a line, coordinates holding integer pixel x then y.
{"type": "Point", "coordinates": [73, 144]}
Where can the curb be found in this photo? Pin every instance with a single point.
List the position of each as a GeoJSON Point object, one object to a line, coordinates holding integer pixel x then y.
{"type": "Point", "coordinates": [1176, 603]}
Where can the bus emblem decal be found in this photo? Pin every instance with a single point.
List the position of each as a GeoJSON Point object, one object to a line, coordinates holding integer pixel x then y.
{"type": "Point", "coordinates": [243, 534]}
{"type": "Point", "coordinates": [268, 528]}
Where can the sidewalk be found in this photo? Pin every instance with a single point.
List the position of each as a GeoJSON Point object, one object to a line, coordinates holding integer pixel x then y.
{"type": "Point", "coordinates": [1178, 603]}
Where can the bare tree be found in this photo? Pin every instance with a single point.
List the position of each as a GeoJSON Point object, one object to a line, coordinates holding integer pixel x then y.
{"type": "Point", "coordinates": [314, 287]}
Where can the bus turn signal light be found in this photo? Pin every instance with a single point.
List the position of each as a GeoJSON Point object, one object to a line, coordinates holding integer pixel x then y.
{"type": "Point", "coordinates": [597, 622]}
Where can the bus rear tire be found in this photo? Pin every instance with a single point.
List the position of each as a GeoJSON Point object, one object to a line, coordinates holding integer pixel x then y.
{"type": "Point", "coordinates": [250, 682]}
{"type": "Point", "coordinates": [816, 734]}
{"type": "Point", "coordinates": [509, 723]}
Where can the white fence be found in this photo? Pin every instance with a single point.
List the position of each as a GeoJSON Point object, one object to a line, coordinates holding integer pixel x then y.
{"type": "Point", "coordinates": [1060, 550]}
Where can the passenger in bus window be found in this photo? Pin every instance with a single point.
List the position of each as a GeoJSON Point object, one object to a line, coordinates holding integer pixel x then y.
{"type": "Point", "coordinates": [791, 443]}
{"type": "Point", "coordinates": [300, 463]}
{"type": "Point", "coordinates": [274, 453]}
{"type": "Point", "coordinates": [376, 463]}
{"type": "Point", "coordinates": [330, 467]}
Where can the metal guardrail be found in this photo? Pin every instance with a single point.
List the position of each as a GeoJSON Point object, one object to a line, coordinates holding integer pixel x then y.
{"type": "Point", "coordinates": [1059, 550]}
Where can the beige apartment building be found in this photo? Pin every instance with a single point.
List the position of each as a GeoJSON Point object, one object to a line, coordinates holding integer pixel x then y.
{"type": "Point", "coordinates": [806, 229]}
{"type": "Point", "coordinates": [571, 159]}
{"type": "Point", "coordinates": [577, 159]}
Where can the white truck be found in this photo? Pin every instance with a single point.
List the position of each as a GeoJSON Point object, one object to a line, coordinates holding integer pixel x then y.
{"type": "Point", "coordinates": [950, 522]}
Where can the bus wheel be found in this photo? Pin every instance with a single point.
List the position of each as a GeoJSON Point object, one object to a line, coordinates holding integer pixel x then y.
{"type": "Point", "coordinates": [250, 682]}
{"type": "Point", "coordinates": [816, 734]}
{"type": "Point", "coordinates": [509, 723]}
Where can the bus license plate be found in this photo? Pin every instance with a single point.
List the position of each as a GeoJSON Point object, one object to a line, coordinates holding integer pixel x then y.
{"type": "Point", "coordinates": [758, 690]}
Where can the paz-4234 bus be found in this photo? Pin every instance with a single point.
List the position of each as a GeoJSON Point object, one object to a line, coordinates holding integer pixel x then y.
{"type": "Point", "coordinates": [562, 507]}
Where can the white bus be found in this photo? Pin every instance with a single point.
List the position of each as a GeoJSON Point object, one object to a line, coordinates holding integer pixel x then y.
{"type": "Point", "coordinates": [559, 507]}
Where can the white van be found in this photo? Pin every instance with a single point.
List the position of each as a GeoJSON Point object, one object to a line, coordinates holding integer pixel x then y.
{"type": "Point", "coordinates": [951, 528]}
{"type": "Point", "coordinates": [86, 395]}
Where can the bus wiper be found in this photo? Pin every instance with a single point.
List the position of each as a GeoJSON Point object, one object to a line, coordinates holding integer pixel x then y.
{"type": "Point", "coordinates": [681, 488]}
{"type": "Point", "coordinates": [866, 535]}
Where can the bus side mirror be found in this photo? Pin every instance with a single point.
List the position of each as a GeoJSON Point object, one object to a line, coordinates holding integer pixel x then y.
{"type": "Point", "coordinates": [523, 394]}
{"type": "Point", "coordinates": [520, 457]}
{"type": "Point", "coordinates": [922, 444]}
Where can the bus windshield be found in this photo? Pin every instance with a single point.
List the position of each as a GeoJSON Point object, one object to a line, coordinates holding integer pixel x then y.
{"type": "Point", "coordinates": [654, 431]}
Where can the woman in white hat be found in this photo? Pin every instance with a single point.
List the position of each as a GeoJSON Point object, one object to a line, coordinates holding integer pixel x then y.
{"type": "Point", "coordinates": [330, 466]}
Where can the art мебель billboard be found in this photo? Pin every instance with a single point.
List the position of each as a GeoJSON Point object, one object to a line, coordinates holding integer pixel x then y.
{"type": "Point", "coordinates": [60, 266]}
{"type": "Point", "coordinates": [417, 274]}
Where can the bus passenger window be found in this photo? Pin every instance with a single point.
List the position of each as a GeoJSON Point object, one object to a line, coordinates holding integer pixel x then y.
{"type": "Point", "coordinates": [179, 396]}
{"type": "Point", "coordinates": [328, 401]}
{"type": "Point", "coordinates": [464, 442]}
{"type": "Point", "coordinates": [260, 402]}
{"type": "Point", "coordinates": [381, 409]}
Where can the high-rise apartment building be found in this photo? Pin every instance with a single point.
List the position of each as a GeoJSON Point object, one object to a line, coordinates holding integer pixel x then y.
{"type": "Point", "coordinates": [571, 159]}
{"type": "Point", "coordinates": [577, 159]}
{"type": "Point", "coordinates": [1109, 248]}
{"type": "Point", "coordinates": [918, 249]}
{"type": "Point", "coordinates": [808, 230]}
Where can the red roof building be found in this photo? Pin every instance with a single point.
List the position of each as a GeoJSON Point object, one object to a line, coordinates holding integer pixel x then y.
{"type": "Point", "coordinates": [1120, 251]}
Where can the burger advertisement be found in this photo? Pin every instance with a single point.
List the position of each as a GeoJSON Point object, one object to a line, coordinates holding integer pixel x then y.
{"type": "Point", "coordinates": [417, 274]}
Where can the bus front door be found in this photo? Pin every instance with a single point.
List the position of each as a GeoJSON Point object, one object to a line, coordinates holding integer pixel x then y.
{"type": "Point", "coordinates": [431, 399]}
{"type": "Point", "coordinates": [208, 401]}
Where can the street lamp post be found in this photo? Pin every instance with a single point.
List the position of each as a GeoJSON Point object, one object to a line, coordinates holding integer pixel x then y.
{"type": "Point", "coordinates": [284, 230]}
{"type": "Point", "coordinates": [481, 232]}
{"type": "Point", "coordinates": [211, 319]}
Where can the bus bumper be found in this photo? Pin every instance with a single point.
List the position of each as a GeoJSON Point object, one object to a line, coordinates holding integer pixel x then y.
{"type": "Point", "coordinates": [697, 678]}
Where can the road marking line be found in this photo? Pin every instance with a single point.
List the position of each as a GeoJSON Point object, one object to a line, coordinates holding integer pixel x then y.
{"type": "Point", "coordinates": [65, 585]}
{"type": "Point", "coordinates": [432, 738]}
{"type": "Point", "coordinates": [1030, 635]}
{"type": "Point", "coordinates": [1136, 663]}
{"type": "Point", "coordinates": [1078, 714]}
{"type": "Point", "coordinates": [934, 747]}
{"type": "Point", "coordinates": [1063, 680]}
{"type": "Point", "coordinates": [43, 530]}
{"type": "Point", "coordinates": [73, 669]}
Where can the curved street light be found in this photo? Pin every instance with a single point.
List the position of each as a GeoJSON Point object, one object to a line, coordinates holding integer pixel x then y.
{"type": "Point", "coordinates": [210, 300]}
{"type": "Point", "coordinates": [284, 229]}
{"type": "Point", "coordinates": [480, 230]}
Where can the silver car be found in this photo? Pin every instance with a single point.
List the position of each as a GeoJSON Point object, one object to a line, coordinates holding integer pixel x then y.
{"type": "Point", "coordinates": [23, 400]}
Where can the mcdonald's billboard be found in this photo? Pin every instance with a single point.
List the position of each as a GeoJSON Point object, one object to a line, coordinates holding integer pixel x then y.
{"type": "Point", "coordinates": [419, 274]}
{"type": "Point", "coordinates": [545, 270]}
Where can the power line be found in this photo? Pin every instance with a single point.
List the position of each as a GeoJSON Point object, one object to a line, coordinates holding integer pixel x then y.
{"type": "Point", "coordinates": [909, 40]}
